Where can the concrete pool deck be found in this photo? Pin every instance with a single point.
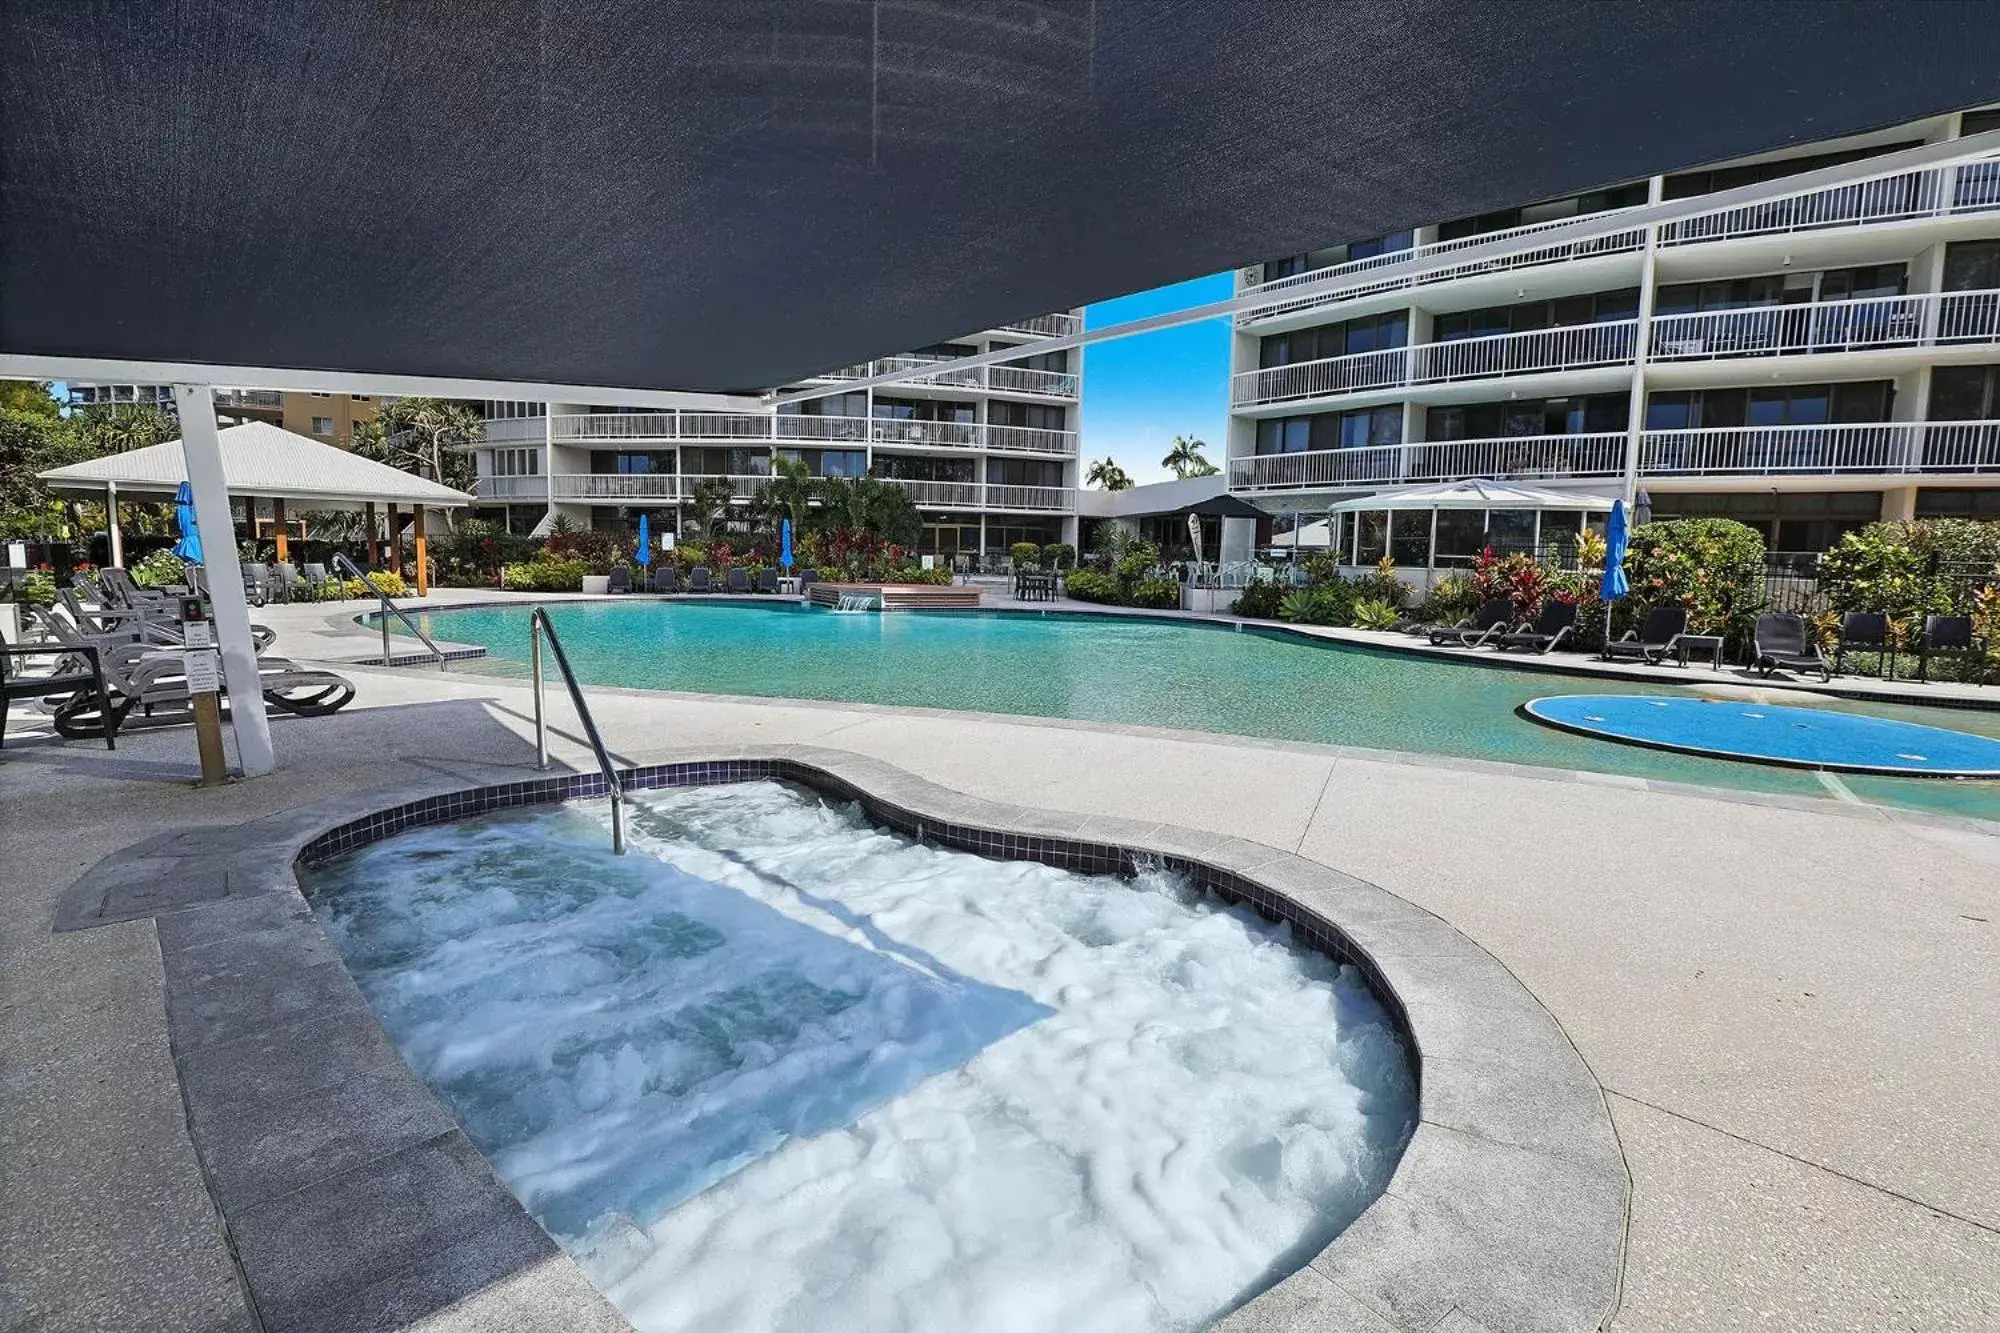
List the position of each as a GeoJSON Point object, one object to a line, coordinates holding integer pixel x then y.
{"type": "Point", "coordinates": [1788, 1003]}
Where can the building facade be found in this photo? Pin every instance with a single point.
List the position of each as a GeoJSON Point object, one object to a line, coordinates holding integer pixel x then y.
{"type": "Point", "coordinates": [1806, 362]}
{"type": "Point", "coordinates": [989, 454]}
{"type": "Point", "coordinates": [329, 418]}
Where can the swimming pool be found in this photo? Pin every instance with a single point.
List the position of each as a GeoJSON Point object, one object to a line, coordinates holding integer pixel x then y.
{"type": "Point", "coordinates": [1200, 677]}
{"type": "Point", "coordinates": [780, 1070]}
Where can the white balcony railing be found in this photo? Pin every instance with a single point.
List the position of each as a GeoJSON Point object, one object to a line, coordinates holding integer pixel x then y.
{"type": "Point", "coordinates": [511, 488]}
{"type": "Point", "coordinates": [945, 494]}
{"type": "Point", "coordinates": [903, 430]}
{"type": "Point", "coordinates": [1031, 440]}
{"type": "Point", "coordinates": [1057, 325]}
{"type": "Point", "coordinates": [614, 486]}
{"type": "Point", "coordinates": [966, 377]}
{"type": "Point", "coordinates": [1829, 326]}
{"type": "Point", "coordinates": [517, 430]}
{"type": "Point", "coordinates": [1509, 457]}
{"type": "Point", "coordinates": [1969, 187]}
{"type": "Point", "coordinates": [615, 426]}
{"type": "Point", "coordinates": [1540, 351]}
{"type": "Point", "coordinates": [834, 430]}
{"type": "Point", "coordinates": [1870, 447]}
{"type": "Point", "coordinates": [1022, 379]}
{"type": "Point", "coordinates": [1044, 499]}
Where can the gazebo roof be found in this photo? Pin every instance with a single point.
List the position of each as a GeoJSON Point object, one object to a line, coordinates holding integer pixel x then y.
{"type": "Point", "coordinates": [259, 459]}
{"type": "Point", "coordinates": [1473, 494]}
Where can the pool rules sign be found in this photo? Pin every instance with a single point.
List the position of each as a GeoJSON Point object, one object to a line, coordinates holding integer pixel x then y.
{"type": "Point", "coordinates": [204, 683]}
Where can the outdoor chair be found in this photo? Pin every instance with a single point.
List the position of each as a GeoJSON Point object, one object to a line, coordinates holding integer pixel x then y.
{"type": "Point", "coordinates": [1488, 621]}
{"type": "Point", "coordinates": [767, 580]}
{"type": "Point", "coordinates": [290, 585]}
{"type": "Point", "coordinates": [1864, 632]}
{"type": "Point", "coordinates": [807, 577]}
{"type": "Point", "coordinates": [155, 683]}
{"type": "Point", "coordinates": [1947, 634]}
{"type": "Point", "coordinates": [1550, 628]}
{"type": "Point", "coordinates": [739, 579]}
{"type": "Point", "coordinates": [256, 587]}
{"type": "Point", "coordinates": [1779, 642]}
{"type": "Point", "coordinates": [1654, 639]}
{"type": "Point", "coordinates": [620, 580]}
{"type": "Point", "coordinates": [698, 579]}
{"type": "Point", "coordinates": [318, 580]}
{"type": "Point", "coordinates": [70, 678]}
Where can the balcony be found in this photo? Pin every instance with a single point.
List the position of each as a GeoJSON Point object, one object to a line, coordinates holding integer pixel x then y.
{"type": "Point", "coordinates": [965, 377]}
{"type": "Point", "coordinates": [1541, 351]}
{"type": "Point", "coordinates": [511, 488]}
{"type": "Point", "coordinates": [1058, 325]}
{"type": "Point", "coordinates": [1829, 326]}
{"type": "Point", "coordinates": [515, 431]}
{"type": "Point", "coordinates": [615, 486]}
{"type": "Point", "coordinates": [1893, 447]}
{"type": "Point", "coordinates": [269, 399]}
{"type": "Point", "coordinates": [1972, 187]}
{"type": "Point", "coordinates": [997, 379]}
{"type": "Point", "coordinates": [1511, 458]}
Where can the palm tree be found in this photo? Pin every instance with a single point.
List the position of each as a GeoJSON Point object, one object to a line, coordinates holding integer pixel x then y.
{"type": "Point", "coordinates": [1185, 459]}
{"type": "Point", "coordinates": [1106, 473]}
{"type": "Point", "coordinates": [427, 437]}
{"type": "Point", "coordinates": [705, 499]}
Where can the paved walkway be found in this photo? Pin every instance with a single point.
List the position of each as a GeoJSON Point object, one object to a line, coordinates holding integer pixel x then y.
{"type": "Point", "coordinates": [1790, 1009]}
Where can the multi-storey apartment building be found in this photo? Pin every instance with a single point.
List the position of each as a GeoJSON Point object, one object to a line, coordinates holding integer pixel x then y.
{"type": "Point", "coordinates": [988, 453]}
{"type": "Point", "coordinates": [327, 417]}
{"type": "Point", "coordinates": [1807, 361]}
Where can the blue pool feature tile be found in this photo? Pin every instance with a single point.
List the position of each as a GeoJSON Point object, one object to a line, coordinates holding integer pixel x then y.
{"type": "Point", "coordinates": [1774, 734]}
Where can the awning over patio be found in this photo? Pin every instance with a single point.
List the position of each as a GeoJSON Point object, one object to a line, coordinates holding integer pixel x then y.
{"type": "Point", "coordinates": [259, 460]}
{"type": "Point", "coordinates": [1473, 494]}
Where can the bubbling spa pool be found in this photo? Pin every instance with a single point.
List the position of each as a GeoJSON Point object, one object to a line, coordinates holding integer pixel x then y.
{"type": "Point", "coordinates": [780, 1069]}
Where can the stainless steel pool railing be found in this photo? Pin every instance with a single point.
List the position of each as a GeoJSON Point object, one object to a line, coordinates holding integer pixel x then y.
{"type": "Point", "coordinates": [538, 628]}
{"type": "Point", "coordinates": [341, 562]}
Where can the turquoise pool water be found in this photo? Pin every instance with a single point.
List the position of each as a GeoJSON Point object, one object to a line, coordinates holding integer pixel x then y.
{"type": "Point", "coordinates": [1199, 677]}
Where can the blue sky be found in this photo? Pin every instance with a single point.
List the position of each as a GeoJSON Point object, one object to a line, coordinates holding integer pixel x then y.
{"type": "Point", "coordinates": [1140, 392]}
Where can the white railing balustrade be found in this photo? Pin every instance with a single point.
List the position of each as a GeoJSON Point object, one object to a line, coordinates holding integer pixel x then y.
{"type": "Point", "coordinates": [1928, 192]}
{"type": "Point", "coordinates": [1050, 499]}
{"type": "Point", "coordinates": [615, 486]}
{"type": "Point", "coordinates": [904, 430]}
{"type": "Point", "coordinates": [1058, 325]}
{"type": "Point", "coordinates": [517, 430]}
{"type": "Point", "coordinates": [1031, 439]}
{"type": "Point", "coordinates": [511, 488]}
{"type": "Point", "coordinates": [1023, 379]}
{"type": "Point", "coordinates": [968, 377]}
{"type": "Point", "coordinates": [954, 494]}
{"type": "Point", "coordinates": [1829, 326]}
{"type": "Point", "coordinates": [1331, 375]}
{"type": "Point", "coordinates": [615, 426]}
{"type": "Point", "coordinates": [1512, 457]}
{"type": "Point", "coordinates": [1539, 351]}
{"type": "Point", "coordinates": [799, 426]}
{"type": "Point", "coordinates": [726, 426]}
{"type": "Point", "coordinates": [1870, 447]}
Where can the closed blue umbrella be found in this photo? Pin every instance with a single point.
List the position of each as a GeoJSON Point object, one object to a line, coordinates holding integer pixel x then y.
{"type": "Point", "coordinates": [785, 544]}
{"type": "Point", "coordinates": [644, 555]}
{"type": "Point", "coordinates": [1615, 584]}
{"type": "Point", "coordinates": [188, 547]}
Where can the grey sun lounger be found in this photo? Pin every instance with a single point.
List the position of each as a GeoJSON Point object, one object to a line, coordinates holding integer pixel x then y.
{"type": "Point", "coordinates": [1480, 627]}
{"type": "Point", "coordinates": [767, 580]}
{"type": "Point", "coordinates": [698, 579]}
{"type": "Point", "coordinates": [1654, 639]}
{"type": "Point", "coordinates": [1779, 643]}
{"type": "Point", "coordinates": [153, 682]}
{"type": "Point", "coordinates": [739, 579]}
{"type": "Point", "coordinates": [1549, 628]}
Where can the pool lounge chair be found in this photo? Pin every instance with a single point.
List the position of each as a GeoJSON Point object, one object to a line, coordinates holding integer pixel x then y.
{"type": "Point", "coordinates": [76, 673]}
{"type": "Point", "coordinates": [1863, 632]}
{"type": "Point", "coordinates": [1947, 634]}
{"type": "Point", "coordinates": [620, 580]}
{"type": "Point", "coordinates": [154, 682]}
{"type": "Point", "coordinates": [807, 577]}
{"type": "Point", "coordinates": [1482, 625]}
{"type": "Point", "coordinates": [739, 579]}
{"type": "Point", "coordinates": [1779, 643]}
{"type": "Point", "coordinates": [1654, 639]}
{"type": "Point", "coordinates": [1549, 628]}
{"type": "Point", "coordinates": [767, 580]}
{"type": "Point", "coordinates": [698, 579]}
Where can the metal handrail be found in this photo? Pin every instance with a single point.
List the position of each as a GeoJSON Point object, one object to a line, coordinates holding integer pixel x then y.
{"type": "Point", "coordinates": [339, 560]}
{"type": "Point", "coordinates": [539, 625]}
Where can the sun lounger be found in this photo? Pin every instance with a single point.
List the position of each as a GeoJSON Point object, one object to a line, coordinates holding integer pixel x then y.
{"type": "Point", "coordinates": [153, 681]}
{"type": "Point", "coordinates": [619, 581]}
{"type": "Point", "coordinates": [1490, 620]}
{"type": "Point", "coordinates": [739, 579]}
{"type": "Point", "coordinates": [1779, 643]}
{"type": "Point", "coordinates": [767, 580]}
{"type": "Point", "coordinates": [1549, 628]}
{"type": "Point", "coordinates": [1654, 639]}
{"type": "Point", "coordinates": [807, 577]}
{"type": "Point", "coordinates": [69, 679]}
{"type": "Point", "coordinates": [698, 579]}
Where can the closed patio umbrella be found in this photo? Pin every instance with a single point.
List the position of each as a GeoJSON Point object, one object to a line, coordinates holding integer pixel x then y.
{"type": "Point", "coordinates": [1614, 585]}
{"type": "Point", "coordinates": [785, 546]}
{"type": "Point", "coordinates": [188, 547]}
{"type": "Point", "coordinates": [643, 557]}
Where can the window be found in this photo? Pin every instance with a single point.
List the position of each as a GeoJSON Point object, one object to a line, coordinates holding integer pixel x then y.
{"type": "Point", "coordinates": [851, 404]}
{"type": "Point", "coordinates": [1410, 538]}
{"type": "Point", "coordinates": [1034, 416]}
{"type": "Point", "coordinates": [1510, 529]}
{"type": "Point", "coordinates": [1846, 284]}
{"type": "Point", "coordinates": [1548, 210]}
{"type": "Point", "coordinates": [322, 425]}
{"type": "Point", "coordinates": [1372, 537]}
{"type": "Point", "coordinates": [1964, 393]}
{"type": "Point", "coordinates": [922, 409]}
{"type": "Point", "coordinates": [1937, 503]}
{"type": "Point", "coordinates": [1978, 122]}
{"type": "Point", "coordinates": [1331, 430]}
{"type": "Point", "coordinates": [357, 397]}
{"type": "Point", "coordinates": [719, 462]}
{"type": "Point", "coordinates": [1023, 472]}
{"type": "Point", "coordinates": [1600, 308]}
{"type": "Point", "coordinates": [1593, 414]}
{"type": "Point", "coordinates": [1972, 266]}
{"type": "Point", "coordinates": [1368, 334]}
{"type": "Point", "coordinates": [1790, 405]}
{"type": "Point", "coordinates": [1057, 361]}
{"type": "Point", "coordinates": [322, 395]}
{"type": "Point", "coordinates": [898, 467]}
{"type": "Point", "coordinates": [1461, 534]}
{"type": "Point", "coordinates": [517, 462]}
{"type": "Point", "coordinates": [1728, 178]}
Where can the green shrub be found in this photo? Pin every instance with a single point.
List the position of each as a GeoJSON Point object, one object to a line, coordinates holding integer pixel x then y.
{"type": "Point", "coordinates": [1321, 569]}
{"type": "Point", "coordinates": [1157, 593]}
{"type": "Point", "coordinates": [387, 582]}
{"type": "Point", "coordinates": [1452, 598]}
{"type": "Point", "coordinates": [1911, 569]}
{"type": "Point", "coordinates": [1712, 566]}
{"type": "Point", "coordinates": [1058, 555]}
{"type": "Point", "coordinates": [940, 576]}
{"type": "Point", "coordinates": [1383, 585]}
{"type": "Point", "coordinates": [546, 575]}
{"type": "Point", "coordinates": [352, 588]}
{"type": "Point", "coordinates": [161, 569]}
{"type": "Point", "coordinates": [1262, 600]}
{"type": "Point", "coordinates": [1092, 585]}
{"type": "Point", "coordinates": [39, 588]}
{"type": "Point", "coordinates": [1138, 562]}
{"type": "Point", "coordinates": [1026, 555]}
{"type": "Point", "coordinates": [1374, 613]}
{"type": "Point", "coordinates": [1331, 604]}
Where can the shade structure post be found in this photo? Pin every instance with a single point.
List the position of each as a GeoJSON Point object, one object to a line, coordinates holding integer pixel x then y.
{"type": "Point", "coordinates": [392, 548]}
{"type": "Point", "coordinates": [278, 526]}
{"type": "Point", "coordinates": [203, 451]}
{"type": "Point", "coordinates": [111, 524]}
{"type": "Point", "coordinates": [374, 531]}
{"type": "Point", "coordinates": [423, 553]}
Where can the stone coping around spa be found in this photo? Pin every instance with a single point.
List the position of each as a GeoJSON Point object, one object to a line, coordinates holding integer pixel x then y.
{"type": "Point", "coordinates": [353, 1201]}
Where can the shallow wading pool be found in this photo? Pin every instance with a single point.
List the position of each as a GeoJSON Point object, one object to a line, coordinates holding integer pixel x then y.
{"type": "Point", "coordinates": [1122, 669]}
{"type": "Point", "coordinates": [778, 1069]}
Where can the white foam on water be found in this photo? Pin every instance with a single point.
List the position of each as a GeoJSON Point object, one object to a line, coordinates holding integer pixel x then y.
{"type": "Point", "coordinates": [797, 1073]}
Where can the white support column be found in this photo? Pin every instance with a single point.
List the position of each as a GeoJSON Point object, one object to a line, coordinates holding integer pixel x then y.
{"type": "Point", "coordinates": [111, 524]}
{"type": "Point", "coordinates": [1642, 338]}
{"type": "Point", "coordinates": [203, 451]}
